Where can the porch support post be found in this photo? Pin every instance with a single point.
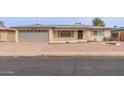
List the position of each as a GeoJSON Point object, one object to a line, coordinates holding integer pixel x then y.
{"type": "Point", "coordinates": [16, 35]}
{"type": "Point", "coordinates": [119, 34]}
{"type": "Point", "coordinates": [51, 37]}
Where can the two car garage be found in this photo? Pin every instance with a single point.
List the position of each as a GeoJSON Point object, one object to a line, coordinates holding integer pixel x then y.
{"type": "Point", "coordinates": [33, 36]}
{"type": "Point", "coordinates": [24, 34]}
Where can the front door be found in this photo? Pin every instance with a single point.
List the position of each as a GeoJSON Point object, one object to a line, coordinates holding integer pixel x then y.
{"type": "Point", "coordinates": [80, 34]}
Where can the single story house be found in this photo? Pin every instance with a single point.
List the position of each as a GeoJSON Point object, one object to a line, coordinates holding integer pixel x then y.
{"type": "Point", "coordinates": [60, 33]}
{"type": "Point", "coordinates": [117, 34]}
{"type": "Point", "coordinates": [7, 34]}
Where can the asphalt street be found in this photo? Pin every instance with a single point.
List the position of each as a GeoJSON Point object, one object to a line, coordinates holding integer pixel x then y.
{"type": "Point", "coordinates": [62, 66]}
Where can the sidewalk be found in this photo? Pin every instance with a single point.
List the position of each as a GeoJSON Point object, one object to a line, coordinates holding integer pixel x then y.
{"type": "Point", "coordinates": [44, 49]}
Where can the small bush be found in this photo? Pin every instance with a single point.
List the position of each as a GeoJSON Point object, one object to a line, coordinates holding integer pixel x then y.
{"type": "Point", "coordinates": [107, 39]}
{"type": "Point", "coordinates": [67, 42]}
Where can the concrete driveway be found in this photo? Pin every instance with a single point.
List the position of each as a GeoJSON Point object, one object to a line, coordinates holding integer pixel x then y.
{"type": "Point", "coordinates": [22, 49]}
{"type": "Point", "coordinates": [37, 49]}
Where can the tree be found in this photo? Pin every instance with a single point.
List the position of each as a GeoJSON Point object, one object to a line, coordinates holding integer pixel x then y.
{"type": "Point", "coordinates": [98, 22]}
{"type": "Point", "coordinates": [2, 23]}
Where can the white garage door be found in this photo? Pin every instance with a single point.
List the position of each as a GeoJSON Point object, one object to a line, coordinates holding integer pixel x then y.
{"type": "Point", "coordinates": [33, 36]}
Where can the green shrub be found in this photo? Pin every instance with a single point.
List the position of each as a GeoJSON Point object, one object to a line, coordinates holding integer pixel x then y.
{"type": "Point", "coordinates": [107, 39]}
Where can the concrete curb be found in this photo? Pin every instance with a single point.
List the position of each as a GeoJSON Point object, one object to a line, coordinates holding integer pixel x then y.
{"type": "Point", "coordinates": [83, 54]}
{"type": "Point", "coordinates": [57, 53]}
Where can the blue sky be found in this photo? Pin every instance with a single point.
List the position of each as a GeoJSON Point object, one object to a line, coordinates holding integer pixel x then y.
{"type": "Point", "coordinates": [17, 21]}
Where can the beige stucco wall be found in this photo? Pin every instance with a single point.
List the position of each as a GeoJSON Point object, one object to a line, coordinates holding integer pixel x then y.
{"type": "Point", "coordinates": [87, 36]}
{"type": "Point", "coordinates": [91, 37]}
{"type": "Point", "coordinates": [11, 36]}
{"type": "Point", "coordinates": [53, 37]}
{"type": "Point", "coordinates": [107, 33]}
{"type": "Point", "coordinates": [7, 36]}
{"type": "Point", "coordinates": [16, 35]}
{"type": "Point", "coordinates": [3, 35]}
{"type": "Point", "coordinates": [95, 38]}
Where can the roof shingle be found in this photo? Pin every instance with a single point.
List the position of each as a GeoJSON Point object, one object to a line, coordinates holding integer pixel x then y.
{"type": "Point", "coordinates": [64, 26]}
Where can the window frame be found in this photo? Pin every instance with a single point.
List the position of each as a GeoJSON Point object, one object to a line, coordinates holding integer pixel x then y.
{"type": "Point", "coordinates": [98, 32]}
{"type": "Point", "coordinates": [66, 35]}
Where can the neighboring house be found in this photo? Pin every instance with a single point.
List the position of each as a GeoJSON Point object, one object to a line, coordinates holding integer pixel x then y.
{"type": "Point", "coordinates": [118, 34]}
{"type": "Point", "coordinates": [61, 33]}
{"type": "Point", "coordinates": [7, 34]}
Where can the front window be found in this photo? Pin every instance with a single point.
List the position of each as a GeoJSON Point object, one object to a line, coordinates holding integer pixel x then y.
{"type": "Point", "coordinates": [66, 33]}
{"type": "Point", "coordinates": [97, 33]}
